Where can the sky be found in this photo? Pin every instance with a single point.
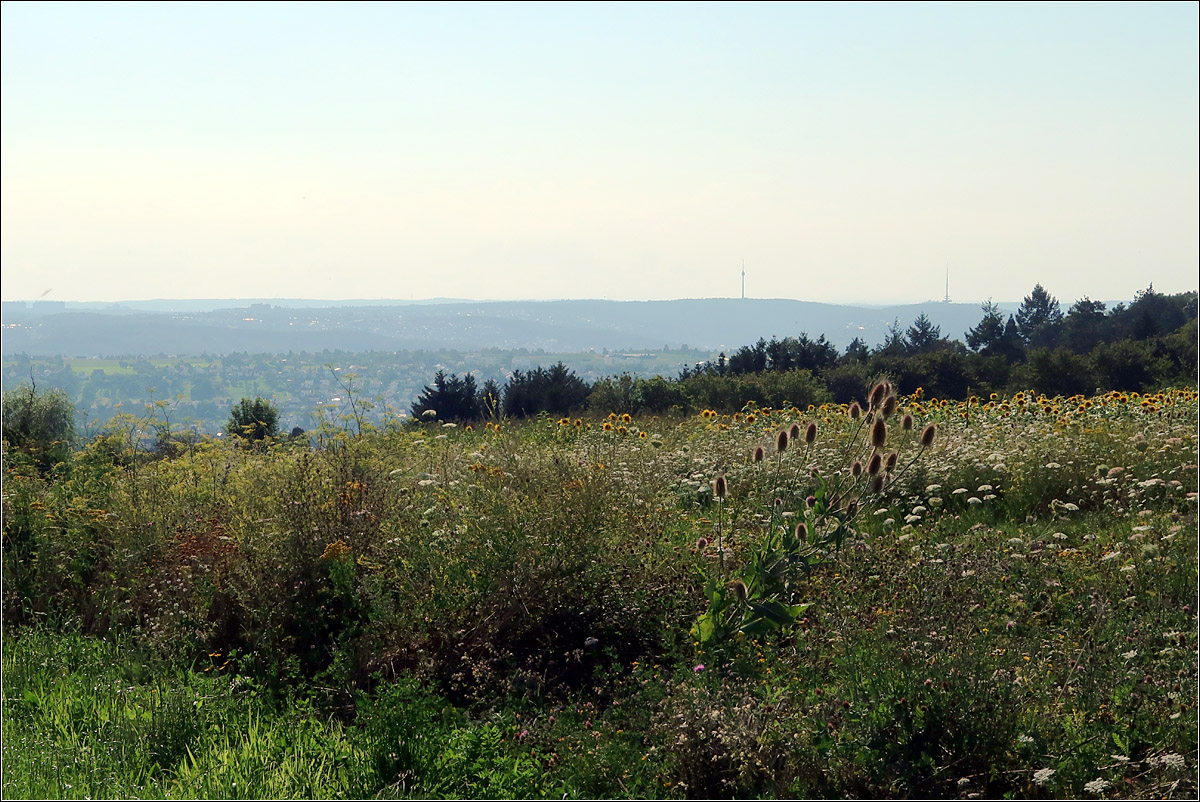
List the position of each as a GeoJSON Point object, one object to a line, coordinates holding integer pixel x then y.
{"type": "Point", "coordinates": [840, 152]}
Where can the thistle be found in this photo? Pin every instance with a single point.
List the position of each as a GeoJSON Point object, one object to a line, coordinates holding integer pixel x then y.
{"type": "Point", "coordinates": [878, 393]}
{"type": "Point", "coordinates": [720, 490]}
{"type": "Point", "coordinates": [927, 435]}
{"type": "Point", "coordinates": [878, 433]}
{"type": "Point", "coordinates": [889, 406]}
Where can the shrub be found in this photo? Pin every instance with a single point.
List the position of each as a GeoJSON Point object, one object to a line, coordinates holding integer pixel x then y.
{"type": "Point", "coordinates": [253, 420]}
{"type": "Point", "coordinates": [40, 425]}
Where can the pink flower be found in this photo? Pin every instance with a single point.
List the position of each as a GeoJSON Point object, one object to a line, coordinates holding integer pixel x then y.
{"type": "Point", "coordinates": [699, 668]}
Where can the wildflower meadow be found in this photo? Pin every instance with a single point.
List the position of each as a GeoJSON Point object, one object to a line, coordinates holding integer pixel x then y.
{"type": "Point", "coordinates": [900, 597]}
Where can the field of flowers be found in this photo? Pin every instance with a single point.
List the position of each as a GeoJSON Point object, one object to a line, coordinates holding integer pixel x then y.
{"type": "Point", "coordinates": [908, 597]}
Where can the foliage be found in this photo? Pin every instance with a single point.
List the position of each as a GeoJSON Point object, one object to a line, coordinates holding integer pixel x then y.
{"type": "Point", "coordinates": [39, 425]}
{"type": "Point", "coordinates": [1039, 317]}
{"type": "Point", "coordinates": [556, 390]}
{"type": "Point", "coordinates": [253, 420]}
{"type": "Point", "coordinates": [451, 399]}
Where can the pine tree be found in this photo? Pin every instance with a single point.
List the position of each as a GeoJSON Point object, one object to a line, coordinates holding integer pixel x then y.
{"type": "Point", "coordinates": [1039, 317]}
{"type": "Point", "coordinates": [923, 335]}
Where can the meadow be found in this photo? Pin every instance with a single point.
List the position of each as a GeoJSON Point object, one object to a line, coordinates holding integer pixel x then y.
{"type": "Point", "coordinates": [910, 597]}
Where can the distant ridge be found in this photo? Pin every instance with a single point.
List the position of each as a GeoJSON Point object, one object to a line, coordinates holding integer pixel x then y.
{"type": "Point", "coordinates": [280, 325]}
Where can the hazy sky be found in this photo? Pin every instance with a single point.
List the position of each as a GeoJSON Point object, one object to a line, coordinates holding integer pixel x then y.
{"type": "Point", "coordinates": [845, 152]}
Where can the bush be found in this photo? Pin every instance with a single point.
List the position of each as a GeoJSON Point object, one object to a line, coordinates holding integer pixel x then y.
{"type": "Point", "coordinates": [253, 420]}
{"type": "Point", "coordinates": [40, 425]}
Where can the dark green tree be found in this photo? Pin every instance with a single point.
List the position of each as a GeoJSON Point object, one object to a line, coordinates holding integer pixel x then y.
{"type": "Point", "coordinates": [1056, 372]}
{"type": "Point", "coordinates": [490, 398]}
{"type": "Point", "coordinates": [923, 336]}
{"type": "Point", "coordinates": [660, 395]}
{"type": "Point", "coordinates": [1085, 325]}
{"type": "Point", "coordinates": [557, 390]}
{"type": "Point", "coordinates": [253, 420]}
{"type": "Point", "coordinates": [894, 344]}
{"type": "Point", "coordinates": [750, 359]}
{"type": "Point", "coordinates": [1011, 345]}
{"type": "Point", "coordinates": [990, 331]}
{"type": "Point", "coordinates": [856, 351]}
{"type": "Point", "coordinates": [1039, 318]}
{"type": "Point", "coordinates": [1154, 314]}
{"type": "Point", "coordinates": [450, 398]}
{"type": "Point", "coordinates": [1127, 365]}
{"type": "Point", "coordinates": [805, 353]}
{"type": "Point", "coordinates": [615, 394]}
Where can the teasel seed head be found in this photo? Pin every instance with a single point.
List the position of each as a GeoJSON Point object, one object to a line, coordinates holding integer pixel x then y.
{"type": "Point", "coordinates": [702, 544]}
{"type": "Point", "coordinates": [760, 454]}
{"type": "Point", "coordinates": [889, 406]}
{"type": "Point", "coordinates": [878, 393]}
{"type": "Point", "coordinates": [852, 508]}
{"type": "Point", "coordinates": [891, 461]}
{"type": "Point", "coordinates": [802, 531]}
{"type": "Point", "coordinates": [794, 431]}
{"type": "Point", "coordinates": [878, 433]}
{"type": "Point", "coordinates": [810, 433]}
{"type": "Point", "coordinates": [856, 469]}
{"type": "Point", "coordinates": [720, 486]}
{"type": "Point", "coordinates": [874, 464]}
{"type": "Point", "coordinates": [906, 423]}
{"type": "Point", "coordinates": [877, 482]}
{"type": "Point", "coordinates": [855, 411]}
{"type": "Point", "coordinates": [927, 435]}
{"type": "Point", "coordinates": [781, 440]}
{"type": "Point", "coordinates": [739, 590]}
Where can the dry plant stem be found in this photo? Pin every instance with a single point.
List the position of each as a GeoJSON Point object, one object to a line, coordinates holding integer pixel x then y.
{"type": "Point", "coordinates": [851, 444]}
{"type": "Point", "coordinates": [803, 465]}
{"type": "Point", "coordinates": [851, 448]}
{"type": "Point", "coordinates": [720, 533]}
{"type": "Point", "coordinates": [895, 477]}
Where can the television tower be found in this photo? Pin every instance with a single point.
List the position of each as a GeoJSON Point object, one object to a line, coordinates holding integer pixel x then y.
{"type": "Point", "coordinates": [947, 283]}
{"type": "Point", "coordinates": [743, 279]}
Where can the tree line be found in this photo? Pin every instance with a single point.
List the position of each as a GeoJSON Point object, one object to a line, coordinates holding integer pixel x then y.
{"type": "Point", "coordinates": [1148, 343]}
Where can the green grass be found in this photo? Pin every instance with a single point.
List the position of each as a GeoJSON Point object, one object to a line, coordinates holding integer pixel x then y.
{"type": "Point", "coordinates": [86, 718]}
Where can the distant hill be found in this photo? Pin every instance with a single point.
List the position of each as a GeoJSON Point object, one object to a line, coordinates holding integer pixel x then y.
{"type": "Point", "coordinates": [196, 327]}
